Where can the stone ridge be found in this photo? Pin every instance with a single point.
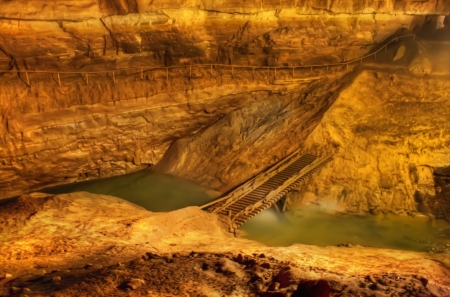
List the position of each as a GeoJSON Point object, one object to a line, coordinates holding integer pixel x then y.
{"type": "Point", "coordinates": [81, 9]}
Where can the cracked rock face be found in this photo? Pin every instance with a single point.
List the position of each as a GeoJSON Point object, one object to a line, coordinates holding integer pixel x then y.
{"type": "Point", "coordinates": [64, 128]}
{"type": "Point", "coordinates": [111, 34]}
{"type": "Point", "coordinates": [387, 132]}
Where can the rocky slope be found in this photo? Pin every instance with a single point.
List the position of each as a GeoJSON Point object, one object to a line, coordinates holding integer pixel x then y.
{"type": "Point", "coordinates": [248, 140]}
{"type": "Point", "coordinates": [83, 244]}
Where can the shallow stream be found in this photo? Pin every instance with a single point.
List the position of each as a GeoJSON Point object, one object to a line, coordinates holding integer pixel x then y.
{"type": "Point", "coordinates": [158, 192]}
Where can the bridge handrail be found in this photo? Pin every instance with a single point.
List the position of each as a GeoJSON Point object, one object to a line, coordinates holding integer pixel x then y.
{"type": "Point", "coordinates": [251, 184]}
{"type": "Point", "coordinates": [216, 65]}
{"type": "Point", "coordinates": [310, 167]}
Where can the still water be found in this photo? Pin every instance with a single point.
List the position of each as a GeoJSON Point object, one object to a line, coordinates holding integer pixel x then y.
{"type": "Point", "coordinates": [312, 226]}
{"type": "Point", "coordinates": [158, 192]}
{"type": "Point", "coordinates": [153, 191]}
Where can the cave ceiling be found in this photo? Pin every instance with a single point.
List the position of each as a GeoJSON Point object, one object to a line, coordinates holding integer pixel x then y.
{"type": "Point", "coordinates": [111, 34]}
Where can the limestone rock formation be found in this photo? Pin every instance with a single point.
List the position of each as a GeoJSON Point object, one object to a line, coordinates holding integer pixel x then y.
{"type": "Point", "coordinates": [51, 135]}
{"type": "Point", "coordinates": [72, 122]}
{"type": "Point", "coordinates": [389, 131]}
{"type": "Point", "coordinates": [109, 34]}
{"type": "Point", "coordinates": [248, 140]}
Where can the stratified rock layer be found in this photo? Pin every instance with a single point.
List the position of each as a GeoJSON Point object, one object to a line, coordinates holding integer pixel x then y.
{"type": "Point", "coordinates": [110, 34]}
{"type": "Point", "coordinates": [52, 135]}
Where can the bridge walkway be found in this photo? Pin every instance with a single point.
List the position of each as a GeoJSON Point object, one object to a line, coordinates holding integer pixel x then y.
{"type": "Point", "coordinates": [190, 69]}
{"type": "Point", "coordinates": [264, 190]}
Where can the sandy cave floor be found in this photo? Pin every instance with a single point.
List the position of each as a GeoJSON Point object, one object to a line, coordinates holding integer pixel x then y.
{"type": "Point", "coordinates": [83, 244]}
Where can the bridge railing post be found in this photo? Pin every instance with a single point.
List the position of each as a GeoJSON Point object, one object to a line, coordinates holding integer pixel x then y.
{"type": "Point", "coordinates": [329, 67]}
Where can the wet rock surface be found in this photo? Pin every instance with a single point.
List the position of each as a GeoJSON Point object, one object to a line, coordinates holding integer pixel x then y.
{"type": "Point", "coordinates": [440, 203]}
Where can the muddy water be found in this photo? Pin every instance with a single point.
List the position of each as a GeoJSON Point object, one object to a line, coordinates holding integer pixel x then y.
{"type": "Point", "coordinates": [158, 192]}
{"type": "Point", "coordinates": [312, 226]}
{"type": "Point", "coordinates": [153, 191]}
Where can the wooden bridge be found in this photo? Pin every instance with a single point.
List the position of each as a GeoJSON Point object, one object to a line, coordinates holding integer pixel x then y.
{"type": "Point", "coordinates": [264, 190]}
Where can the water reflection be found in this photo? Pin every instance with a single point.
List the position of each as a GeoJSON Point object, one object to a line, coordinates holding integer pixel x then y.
{"type": "Point", "coordinates": [312, 226]}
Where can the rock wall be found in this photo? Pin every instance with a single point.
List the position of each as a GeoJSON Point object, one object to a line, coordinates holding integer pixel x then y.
{"type": "Point", "coordinates": [247, 141]}
{"type": "Point", "coordinates": [52, 135]}
{"type": "Point", "coordinates": [110, 34]}
{"type": "Point", "coordinates": [388, 131]}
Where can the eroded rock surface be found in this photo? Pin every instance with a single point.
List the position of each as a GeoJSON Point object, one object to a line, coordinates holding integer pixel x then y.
{"type": "Point", "coordinates": [387, 129]}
